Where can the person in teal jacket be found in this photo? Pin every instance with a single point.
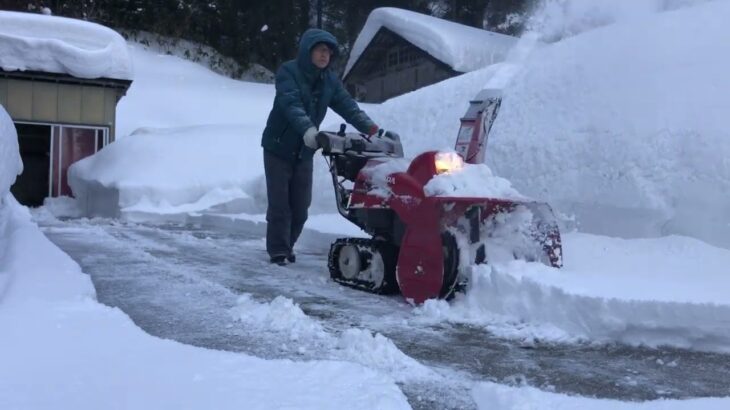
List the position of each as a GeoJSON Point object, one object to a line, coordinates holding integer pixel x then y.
{"type": "Point", "coordinates": [305, 88]}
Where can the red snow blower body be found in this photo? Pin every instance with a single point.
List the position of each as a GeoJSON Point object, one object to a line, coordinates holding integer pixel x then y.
{"type": "Point", "coordinates": [419, 243]}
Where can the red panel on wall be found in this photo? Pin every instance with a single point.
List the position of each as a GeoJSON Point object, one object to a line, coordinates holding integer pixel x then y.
{"type": "Point", "coordinates": [76, 144]}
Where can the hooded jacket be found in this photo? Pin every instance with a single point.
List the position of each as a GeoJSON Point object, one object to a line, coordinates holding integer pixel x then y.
{"type": "Point", "coordinates": [303, 93]}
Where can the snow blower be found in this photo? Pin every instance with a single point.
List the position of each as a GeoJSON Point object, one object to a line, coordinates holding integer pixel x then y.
{"type": "Point", "coordinates": [419, 242]}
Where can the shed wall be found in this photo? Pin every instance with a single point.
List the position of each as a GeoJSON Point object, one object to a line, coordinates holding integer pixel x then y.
{"type": "Point", "coordinates": [60, 103]}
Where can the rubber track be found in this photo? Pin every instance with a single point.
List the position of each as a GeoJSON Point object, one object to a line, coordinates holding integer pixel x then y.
{"type": "Point", "coordinates": [390, 257]}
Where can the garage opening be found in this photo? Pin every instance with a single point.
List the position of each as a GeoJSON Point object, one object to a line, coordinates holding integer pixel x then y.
{"type": "Point", "coordinates": [31, 187]}
{"type": "Point", "coordinates": [47, 152]}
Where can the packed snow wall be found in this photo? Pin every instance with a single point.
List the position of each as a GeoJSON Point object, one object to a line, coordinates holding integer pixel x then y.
{"type": "Point", "coordinates": [10, 163]}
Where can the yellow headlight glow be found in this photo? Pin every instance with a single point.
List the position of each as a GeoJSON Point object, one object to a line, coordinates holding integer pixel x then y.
{"type": "Point", "coordinates": [448, 162]}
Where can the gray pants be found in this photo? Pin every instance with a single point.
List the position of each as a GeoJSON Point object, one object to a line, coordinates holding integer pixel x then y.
{"type": "Point", "coordinates": [289, 190]}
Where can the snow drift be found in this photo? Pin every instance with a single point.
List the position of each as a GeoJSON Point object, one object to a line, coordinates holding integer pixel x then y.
{"type": "Point", "coordinates": [34, 42]}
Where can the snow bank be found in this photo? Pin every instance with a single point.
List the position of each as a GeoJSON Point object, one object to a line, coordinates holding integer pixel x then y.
{"type": "Point", "coordinates": [630, 136]}
{"type": "Point", "coordinates": [10, 163]}
{"type": "Point", "coordinates": [83, 354]}
{"type": "Point", "coordinates": [631, 149]}
{"type": "Point", "coordinates": [171, 92]}
{"type": "Point", "coordinates": [669, 291]}
{"type": "Point", "coordinates": [174, 170]}
{"type": "Point", "coordinates": [10, 166]}
{"type": "Point", "coordinates": [492, 396]}
{"type": "Point", "coordinates": [461, 47]}
{"type": "Point", "coordinates": [35, 42]}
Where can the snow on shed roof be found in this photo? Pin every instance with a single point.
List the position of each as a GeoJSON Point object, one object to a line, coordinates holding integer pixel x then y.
{"type": "Point", "coordinates": [461, 47]}
{"type": "Point", "coordinates": [36, 42]}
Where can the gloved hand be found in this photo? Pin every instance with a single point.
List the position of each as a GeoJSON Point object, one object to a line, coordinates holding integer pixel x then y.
{"type": "Point", "coordinates": [373, 130]}
{"type": "Point", "coordinates": [310, 138]}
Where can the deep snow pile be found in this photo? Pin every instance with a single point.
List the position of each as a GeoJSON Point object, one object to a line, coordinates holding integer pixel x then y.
{"type": "Point", "coordinates": [622, 126]}
{"type": "Point", "coordinates": [630, 136]}
{"type": "Point", "coordinates": [10, 163]}
{"type": "Point", "coordinates": [170, 92]}
{"type": "Point", "coordinates": [667, 291]}
{"type": "Point", "coordinates": [461, 47]}
{"type": "Point", "coordinates": [36, 42]}
{"type": "Point", "coordinates": [174, 170]}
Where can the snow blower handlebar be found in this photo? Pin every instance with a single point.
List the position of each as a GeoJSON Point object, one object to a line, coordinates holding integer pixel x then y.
{"type": "Point", "coordinates": [387, 144]}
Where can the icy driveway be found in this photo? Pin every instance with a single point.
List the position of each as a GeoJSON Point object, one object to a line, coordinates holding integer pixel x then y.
{"type": "Point", "coordinates": [185, 282]}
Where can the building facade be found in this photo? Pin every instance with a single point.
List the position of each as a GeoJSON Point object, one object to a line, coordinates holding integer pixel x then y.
{"type": "Point", "coordinates": [398, 51]}
{"type": "Point", "coordinates": [392, 66]}
{"type": "Point", "coordinates": [60, 119]}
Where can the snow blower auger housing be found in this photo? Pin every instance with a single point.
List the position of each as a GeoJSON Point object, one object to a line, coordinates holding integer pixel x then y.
{"type": "Point", "coordinates": [418, 242]}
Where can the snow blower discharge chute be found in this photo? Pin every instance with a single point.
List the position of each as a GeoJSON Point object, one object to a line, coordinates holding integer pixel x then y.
{"type": "Point", "coordinates": [418, 242]}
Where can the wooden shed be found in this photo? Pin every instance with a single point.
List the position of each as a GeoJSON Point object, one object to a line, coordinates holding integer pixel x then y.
{"type": "Point", "coordinates": [62, 114]}
{"type": "Point", "coordinates": [399, 51]}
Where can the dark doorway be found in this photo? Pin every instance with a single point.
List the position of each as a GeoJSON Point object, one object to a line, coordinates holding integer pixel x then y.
{"type": "Point", "coordinates": [31, 187]}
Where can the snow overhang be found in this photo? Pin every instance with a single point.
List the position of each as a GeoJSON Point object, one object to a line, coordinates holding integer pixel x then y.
{"type": "Point", "coordinates": [49, 44]}
{"type": "Point", "coordinates": [461, 47]}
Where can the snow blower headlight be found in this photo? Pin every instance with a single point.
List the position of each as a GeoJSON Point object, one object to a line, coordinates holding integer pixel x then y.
{"type": "Point", "coordinates": [448, 162]}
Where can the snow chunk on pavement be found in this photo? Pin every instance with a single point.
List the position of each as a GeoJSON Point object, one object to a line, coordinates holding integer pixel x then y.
{"type": "Point", "coordinates": [379, 352]}
{"type": "Point", "coordinates": [34, 42]}
{"type": "Point", "coordinates": [279, 315]}
{"type": "Point", "coordinates": [282, 315]}
{"type": "Point", "coordinates": [492, 396]}
{"type": "Point", "coordinates": [670, 291]}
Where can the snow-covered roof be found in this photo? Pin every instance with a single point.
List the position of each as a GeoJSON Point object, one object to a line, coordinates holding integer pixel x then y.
{"type": "Point", "coordinates": [461, 47]}
{"type": "Point", "coordinates": [36, 42]}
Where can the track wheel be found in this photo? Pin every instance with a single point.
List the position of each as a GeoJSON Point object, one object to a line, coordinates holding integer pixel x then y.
{"type": "Point", "coordinates": [451, 265]}
{"type": "Point", "coordinates": [365, 264]}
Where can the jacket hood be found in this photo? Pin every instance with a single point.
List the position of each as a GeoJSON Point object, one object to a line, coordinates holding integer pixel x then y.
{"type": "Point", "coordinates": [309, 39]}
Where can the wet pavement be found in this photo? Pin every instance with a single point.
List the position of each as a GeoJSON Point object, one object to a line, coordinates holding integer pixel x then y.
{"type": "Point", "coordinates": [180, 281]}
